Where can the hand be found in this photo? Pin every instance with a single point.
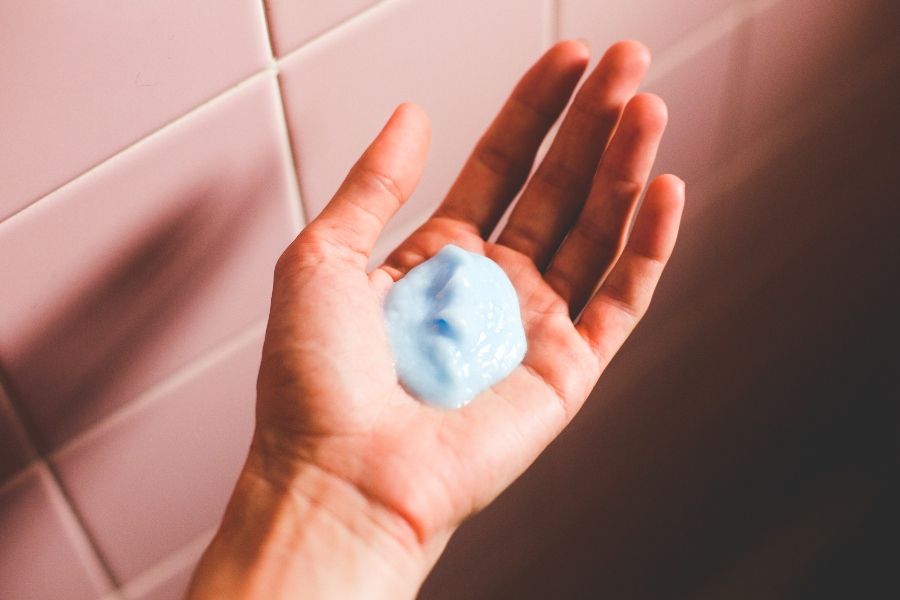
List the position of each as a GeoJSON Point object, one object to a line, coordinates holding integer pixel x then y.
{"type": "Point", "coordinates": [339, 444]}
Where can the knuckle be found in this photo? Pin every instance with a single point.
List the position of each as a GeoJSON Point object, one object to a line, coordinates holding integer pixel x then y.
{"type": "Point", "coordinates": [626, 188]}
{"type": "Point", "coordinates": [501, 162]}
{"type": "Point", "coordinates": [541, 113]}
{"type": "Point", "coordinates": [629, 304]}
{"type": "Point", "coordinates": [524, 237]}
{"type": "Point", "coordinates": [604, 117]}
{"type": "Point", "coordinates": [309, 249]}
{"type": "Point", "coordinates": [558, 175]}
{"type": "Point", "coordinates": [380, 182]}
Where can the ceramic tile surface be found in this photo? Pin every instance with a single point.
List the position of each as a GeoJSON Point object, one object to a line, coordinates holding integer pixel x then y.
{"type": "Point", "coordinates": [83, 80]}
{"type": "Point", "coordinates": [787, 44]}
{"type": "Point", "coordinates": [458, 60]}
{"type": "Point", "coordinates": [292, 22]}
{"type": "Point", "coordinates": [154, 479]}
{"type": "Point", "coordinates": [172, 588]}
{"type": "Point", "coordinates": [657, 23]}
{"type": "Point", "coordinates": [14, 450]}
{"type": "Point", "coordinates": [122, 277]}
{"type": "Point", "coordinates": [42, 554]}
{"type": "Point", "coordinates": [695, 93]}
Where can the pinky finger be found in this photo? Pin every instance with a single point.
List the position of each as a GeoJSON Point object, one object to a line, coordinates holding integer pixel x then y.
{"type": "Point", "coordinates": [623, 298]}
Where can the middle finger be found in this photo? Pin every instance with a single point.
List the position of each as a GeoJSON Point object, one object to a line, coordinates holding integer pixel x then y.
{"type": "Point", "coordinates": [555, 194]}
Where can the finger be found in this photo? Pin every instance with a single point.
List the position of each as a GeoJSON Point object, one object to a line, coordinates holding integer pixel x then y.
{"type": "Point", "coordinates": [377, 185]}
{"type": "Point", "coordinates": [502, 159]}
{"type": "Point", "coordinates": [599, 234]}
{"type": "Point", "coordinates": [623, 298]}
{"type": "Point", "coordinates": [554, 196]}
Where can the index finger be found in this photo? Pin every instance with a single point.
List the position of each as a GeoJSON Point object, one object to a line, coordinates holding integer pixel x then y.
{"type": "Point", "coordinates": [379, 183]}
{"type": "Point", "coordinates": [502, 158]}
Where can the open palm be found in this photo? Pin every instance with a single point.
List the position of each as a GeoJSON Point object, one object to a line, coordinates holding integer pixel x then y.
{"type": "Point", "coordinates": [329, 397]}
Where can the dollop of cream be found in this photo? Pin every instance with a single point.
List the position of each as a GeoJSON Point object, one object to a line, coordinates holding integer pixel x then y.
{"type": "Point", "coordinates": [454, 327]}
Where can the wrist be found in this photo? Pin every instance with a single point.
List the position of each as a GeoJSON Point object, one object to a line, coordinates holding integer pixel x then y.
{"type": "Point", "coordinates": [301, 530]}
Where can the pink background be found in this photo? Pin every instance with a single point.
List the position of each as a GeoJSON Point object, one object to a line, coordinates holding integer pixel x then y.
{"type": "Point", "coordinates": [155, 157]}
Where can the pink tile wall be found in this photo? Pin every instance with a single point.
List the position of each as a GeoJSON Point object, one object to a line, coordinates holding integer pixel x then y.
{"type": "Point", "coordinates": [657, 23]}
{"type": "Point", "coordinates": [695, 92]}
{"type": "Point", "coordinates": [787, 43]}
{"type": "Point", "coordinates": [173, 587]}
{"type": "Point", "coordinates": [43, 552]}
{"type": "Point", "coordinates": [83, 80]}
{"type": "Point", "coordinates": [175, 239]}
{"type": "Point", "coordinates": [135, 281]}
{"type": "Point", "coordinates": [339, 91]}
{"type": "Point", "coordinates": [14, 448]}
{"type": "Point", "coordinates": [293, 22]}
{"type": "Point", "coordinates": [178, 453]}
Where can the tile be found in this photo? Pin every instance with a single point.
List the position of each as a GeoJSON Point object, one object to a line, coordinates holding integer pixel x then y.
{"type": "Point", "coordinates": [657, 23]}
{"type": "Point", "coordinates": [157, 476]}
{"type": "Point", "coordinates": [696, 93]}
{"type": "Point", "coordinates": [172, 588]}
{"type": "Point", "coordinates": [458, 60]}
{"type": "Point", "coordinates": [169, 579]}
{"type": "Point", "coordinates": [14, 447]}
{"type": "Point", "coordinates": [82, 81]}
{"type": "Point", "coordinates": [130, 272]}
{"type": "Point", "coordinates": [44, 554]}
{"type": "Point", "coordinates": [798, 47]}
{"type": "Point", "coordinates": [293, 22]}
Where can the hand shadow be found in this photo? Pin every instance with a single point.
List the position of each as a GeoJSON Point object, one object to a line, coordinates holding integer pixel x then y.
{"type": "Point", "coordinates": [66, 374]}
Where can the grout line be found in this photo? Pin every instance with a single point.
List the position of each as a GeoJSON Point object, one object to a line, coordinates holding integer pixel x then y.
{"type": "Point", "coordinates": [19, 476]}
{"type": "Point", "coordinates": [79, 534]}
{"type": "Point", "coordinates": [41, 461]}
{"type": "Point", "coordinates": [148, 138]}
{"type": "Point", "coordinates": [20, 430]}
{"type": "Point", "coordinates": [273, 66]}
{"type": "Point", "coordinates": [277, 63]}
{"type": "Point", "coordinates": [556, 19]}
{"type": "Point", "coordinates": [23, 424]}
{"type": "Point", "coordinates": [159, 572]}
{"type": "Point", "coordinates": [337, 29]}
{"type": "Point", "coordinates": [549, 22]}
{"type": "Point", "coordinates": [267, 31]}
{"type": "Point", "coordinates": [135, 405]}
{"type": "Point", "coordinates": [298, 210]}
{"type": "Point", "coordinates": [167, 384]}
{"type": "Point", "coordinates": [289, 155]}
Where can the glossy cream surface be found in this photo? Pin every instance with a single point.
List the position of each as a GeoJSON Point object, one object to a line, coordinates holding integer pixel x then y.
{"type": "Point", "coordinates": [454, 327]}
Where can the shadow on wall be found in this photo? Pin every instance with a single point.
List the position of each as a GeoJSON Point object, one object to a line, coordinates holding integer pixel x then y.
{"type": "Point", "coordinates": [98, 338]}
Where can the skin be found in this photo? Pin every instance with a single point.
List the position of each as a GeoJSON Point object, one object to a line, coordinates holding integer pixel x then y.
{"type": "Point", "coordinates": [352, 487]}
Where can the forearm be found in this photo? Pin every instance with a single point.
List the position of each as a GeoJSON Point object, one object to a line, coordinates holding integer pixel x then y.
{"type": "Point", "coordinates": [310, 537]}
